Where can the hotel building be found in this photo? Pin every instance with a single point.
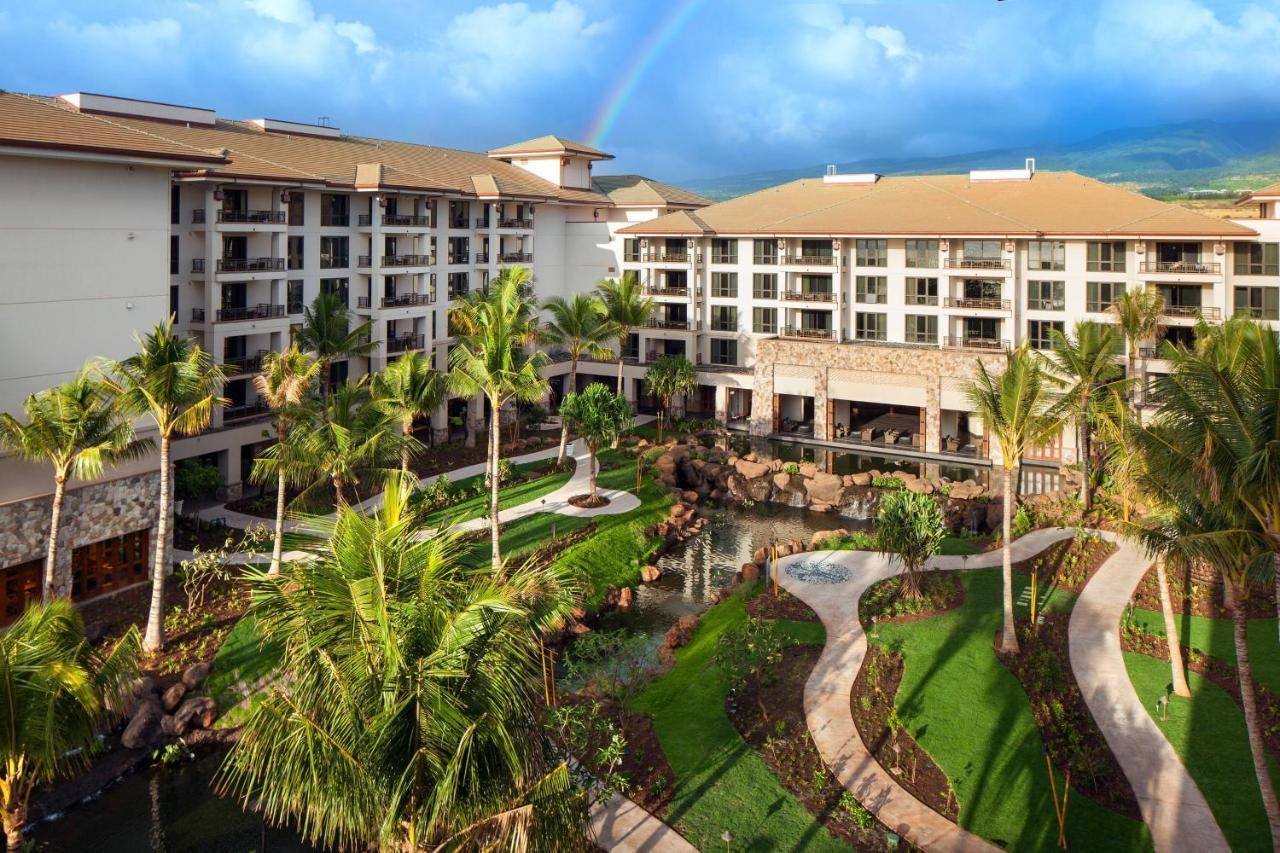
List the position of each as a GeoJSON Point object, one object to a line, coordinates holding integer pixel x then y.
{"type": "Point", "coordinates": [845, 310]}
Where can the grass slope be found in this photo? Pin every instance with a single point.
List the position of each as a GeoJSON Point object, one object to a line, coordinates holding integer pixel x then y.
{"type": "Point", "coordinates": [510, 496]}
{"type": "Point", "coordinates": [244, 659]}
{"type": "Point", "coordinates": [972, 716]}
{"type": "Point", "coordinates": [721, 783]}
{"type": "Point", "coordinates": [1214, 637]}
{"type": "Point", "coordinates": [1208, 732]}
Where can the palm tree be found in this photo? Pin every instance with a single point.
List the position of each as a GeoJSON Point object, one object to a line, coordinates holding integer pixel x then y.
{"type": "Point", "coordinates": [79, 430]}
{"type": "Point", "coordinates": [1014, 407]}
{"type": "Point", "coordinates": [1138, 313]}
{"type": "Point", "coordinates": [600, 415]}
{"type": "Point", "coordinates": [326, 331]}
{"type": "Point", "coordinates": [285, 385]}
{"type": "Point", "coordinates": [910, 526]}
{"type": "Point", "coordinates": [408, 389]}
{"type": "Point", "coordinates": [628, 308]}
{"type": "Point", "coordinates": [410, 720]}
{"type": "Point", "coordinates": [493, 328]}
{"type": "Point", "coordinates": [56, 691]}
{"type": "Point", "coordinates": [668, 377]}
{"type": "Point", "coordinates": [176, 383]}
{"type": "Point", "coordinates": [1083, 367]}
{"type": "Point", "coordinates": [581, 326]}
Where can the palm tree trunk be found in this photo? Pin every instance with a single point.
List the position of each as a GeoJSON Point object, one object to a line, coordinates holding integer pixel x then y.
{"type": "Point", "coordinates": [55, 525]}
{"type": "Point", "coordinates": [1253, 724]}
{"type": "Point", "coordinates": [1008, 637]}
{"type": "Point", "coordinates": [13, 822]}
{"type": "Point", "coordinates": [339, 499]}
{"type": "Point", "coordinates": [277, 547]}
{"type": "Point", "coordinates": [1171, 632]}
{"type": "Point", "coordinates": [495, 447]}
{"type": "Point", "coordinates": [1085, 492]}
{"type": "Point", "coordinates": [564, 426]}
{"type": "Point", "coordinates": [594, 469]}
{"type": "Point", "coordinates": [622, 392]}
{"type": "Point", "coordinates": [154, 639]}
{"type": "Point", "coordinates": [1133, 369]}
{"type": "Point", "coordinates": [404, 454]}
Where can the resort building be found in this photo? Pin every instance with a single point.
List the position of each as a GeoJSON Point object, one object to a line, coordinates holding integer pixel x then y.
{"type": "Point", "coordinates": [845, 310]}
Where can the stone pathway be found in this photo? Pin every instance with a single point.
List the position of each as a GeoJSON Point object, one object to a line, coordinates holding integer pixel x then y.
{"type": "Point", "coordinates": [835, 581]}
{"type": "Point", "coordinates": [1171, 803]}
{"type": "Point", "coordinates": [622, 825]}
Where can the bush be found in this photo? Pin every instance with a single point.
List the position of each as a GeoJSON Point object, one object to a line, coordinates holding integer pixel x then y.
{"type": "Point", "coordinates": [791, 468]}
{"type": "Point", "coordinates": [855, 541]}
{"type": "Point", "coordinates": [754, 647]}
{"type": "Point", "coordinates": [888, 483]}
{"type": "Point", "coordinates": [438, 495]}
{"type": "Point", "coordinates": [195, 479]}
{"type": "Point", "coordinates": [610, 663]}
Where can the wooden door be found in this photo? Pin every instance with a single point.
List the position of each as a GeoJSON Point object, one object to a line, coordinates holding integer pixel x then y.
{"type": "Point", "coordinates": [109, 565]}
{"type": "Point", "coordinates": [21, 584]}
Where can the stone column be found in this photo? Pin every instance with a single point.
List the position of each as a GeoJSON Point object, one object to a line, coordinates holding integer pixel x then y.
{"type": "Point", "coordinates": [440, 424]}
{"type": "Point", "coordinates": [722, 403]}
{"type": "Point", "coordinates": [933, 414]}
{"type": "Point", "coordinates": [761, 423]}
{"type": "Point", "coordinates": [820, 404]}
{"type": "Point", "coordinates": [475, 419]}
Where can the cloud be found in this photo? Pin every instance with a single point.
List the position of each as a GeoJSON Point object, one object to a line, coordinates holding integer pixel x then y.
{"type": "Point", "coordinates": [491, 47]}
{"type": "Point", "coordinates": [139, 40]}
{"type": "Point", "coordinates": [314, 45]}
{"type": "Point", "coordinates": [850, 50]}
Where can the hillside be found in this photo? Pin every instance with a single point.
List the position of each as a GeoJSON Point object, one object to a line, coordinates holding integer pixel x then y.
{"type": "Point", "coordinates": [1170, 161]}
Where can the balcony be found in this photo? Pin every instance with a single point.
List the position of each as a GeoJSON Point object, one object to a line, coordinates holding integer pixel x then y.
{"type": "Point", "coordinates": [405, 300]}
{"type": "Point", "coordinates": [404, 260]}
{"type": "Point", "coordinates": [515, 223]}
{"type": "Point", "coordinates": [243, 217]}
{"type": "Point", "coordinates": [685, 325]}
{"type": "Point", "coordinates": [244, 410]}
{"type": "Point", "coordinates": [405, 343]}
{"type": "Point", "coordinates": [1190, 312]}
{"type": "Point", "coordinates": [809, 296]}
{"type": "Point", "coordinates": [396, 220]}
{"type": "Point", "coordinates": [334, 262]}
{"type": "Point", "coordinates": [516, 257]}
{"type": "Point", "coordinates": [197, 315]}
{"type": "Point", "coordinates": [482, 224]}
{"type": "Point", "coordinates": [986, 264]}
{"type": "Point", "coordinates": [976, 303]}
{"type": "Point", "coordinates": [802, 334]}
{"type": "Point", "coordinates": [243, 265]}
{"type": "Point", "coordinates": [242, 364]}
{"type": "Point", "coordinates": [983, 344]}
{"type": "Point", "coordinates": [261, 311]}
{"type": "Point", "coordinates": [362, 303]}
{"type": "Point", "coordinates": [815, 260]}
{"type": "Point", "coordinates": [197, 265]}
{"type": "Point", "coordinates": [672, 257]}
{"type": "Point", "coordinates": [1189, 266]}
{"type": "Point", "coordinates": [677, 292]}
{"type": "Point", "coordinates": [459, 257]}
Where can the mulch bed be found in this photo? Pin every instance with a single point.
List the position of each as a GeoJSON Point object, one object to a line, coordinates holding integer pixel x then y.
{"type": "Point", "coordinates": [770, 717]}
{"type": "Point", "coordinates": [883, 602]}
{"type": "Point", "coordinates": [1068, 564]}
{"type": "Point", "coordinates": [650, 781]}
{"type": "Point", "coordinates": [782, 606]}
{"type": "Point", "coordinates": [872, 702]}
{"type": "Point", "coordinates": [588, 501]}
{"type": "Point", "coordinates": [1074, 741]}
{"type": "Point", "coordinates": [192, 533]}
{"type": "Point", "coordinates": [1200, 597]}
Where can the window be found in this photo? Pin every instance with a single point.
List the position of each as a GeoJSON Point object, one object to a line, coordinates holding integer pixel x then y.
{"type": "Point", "coordinates": [922, 329]}
{"type": "Point", "coordinates": [870, 327]}
{"type": "Point", "coordinates": [334, 210]}
{"type": "Point", "coordinates": [764, 251]}
{"type": "Point", "coordinates": [922, 254]}
{"type": "Point", "coordinates": [724, 351]}
{"type": "Point", "coordinates": [922, 291]}
{"type": "Point", "coordinates": [173, 254]}
{"type": "Point", "coordinates": [109, 564]}
{"type": "Point", "coordinates": [724, 284]}
{"type": "Point", "coordinates": [459, 250]}
{"type": "Point", "coordinates": [293, 297]}
{"type": "Point", "coordinates": [815, 250]}
{"type": "Point", "coordinates": [335, 287]}
{"type": "Point", "coordinates": [764, 285]}
{"type": "Point", "coordinates": [1101, 294]}
{"type": "Point", "coordinates": [175, 211]}
{"type": "Point", "coordinates": [632, 348]}
{"type": "Point", "coordinates": [764, 321]}
{"type": "Point", "coordinates": [724, 251]}
{"type": "Point", "coordinates": [1262, 303]}
{"type": "Point", "coordinates": [724, 318]}
{"type": "Point", "coordinates": [333, 253]}
{"type": "Point", "coordinates": [458, 284]}
{"type": "Point", "coordinates": [173, 300]}
{"type": "Point", "coordinates": [631, 249]}
{"type": "Point", "coordinates": [982, 250]}
{"type": "Point", "coordinates": [1039, 332]}
{"type": "Point", "coordinates": [1045, 295]}
{"type": "Point", "coordinates": [872, 289]}
{"type": "Point", "coordinates": [1105, 256]}
{"type": "Point", "coordinates": [297, 204]}
{"type": "Point", "coordinates": [1046, 255]}
{"type": "Point", "coordinates": [295, 252]}
{"type": "Point", "coordinates": [458, 214]}
{"type": "Point", "coordinates": [871, 253]}
{"type": "Point", "coordinates": [1257, 258]}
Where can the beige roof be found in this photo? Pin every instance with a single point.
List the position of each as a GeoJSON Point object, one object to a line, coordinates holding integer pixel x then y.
{"type": "Point", "coordinates": [1058, 203]}
{"type": "Point", "coordinates": [640, 191]}
{"type": "Point", "coordinates": [27, 121]}
{"type": "Point", "coordinates": [1270, 191]}
{"type": "Point", "coordinates": [550, 144]}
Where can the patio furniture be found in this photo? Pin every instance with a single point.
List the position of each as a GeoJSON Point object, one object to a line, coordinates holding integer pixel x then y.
{"type": "Point", "coordinates": [891, 436]}
{"type": "Point", "coordinates": [951, 444]}
{"type": "Point", "coordinates": [867, 434]}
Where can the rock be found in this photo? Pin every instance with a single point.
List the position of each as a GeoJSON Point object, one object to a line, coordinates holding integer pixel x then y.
{"type": "Point", "coordinates": [172, 697]}
{"type": "Point", "coordinates": [678, 509]}
{"type": "Point", "coordinates": [784, 550]}
{"type": "Point", "coordinates": [195, 675]}
{"type": "Point", "coordinates": [861, 478]}
{"type": "Point", "coordinates": [820, 506]}
{"type": "Point", "coordinates": [922, 487]}
{"type": "Point", "coordinates": [782, 480]}
{"type": "Point", "coordinates": [825, 534]}
{"type": "Point", "coordinates": [169, 726]}
{"type": "Point", "coordinates": [736, 485]}
{"type": "Point", "coordinates": [649, 574]}
{"type": "Point", "coordinates": [690, 497]}
{"type": "Point", "coordinates": [750, 573]}
{"type": "Point", "coordinates": [750, 468]}
{"type": "Point", "coordinates": [580, 628]}
{"type": "Point", "coordinates": [719, 495]}
{"type": "Point", "coordinates": [198, 712]}
{"type": "Point", "coordinates": [752, 457]}
{"type": "Point", "coordinates": [94, 631]}
{"type": "Point", "coordinates": [760, 556]}
{"type": "Point", "coordinates": [824, 488]}
{"type": "Point", "coordinates": [624, 598]}
{"type": "Point", "coordinates": [995, 514]}
{"type": "Point", "coordinates": [144, 728]}
{"type": "Point", "coordinates": [808, 469]}
{"type": "Point", "coordinates": [904, 476]}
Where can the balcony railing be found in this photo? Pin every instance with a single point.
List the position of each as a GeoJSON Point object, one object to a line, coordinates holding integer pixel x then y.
{"type": "Point", "coordinates": [515, 223]}
{"type": "Point", "coordinates": [335, 262]}
{"type": "Point", "coordinates": [804, 334]}
{"type": "Point", "coordinates": [482, 257]}
{"type": "Point", "coordinates": [656, 290]}
{"type": "Point", "coordinates": [1191, 312]}
{"type": "Point", "coordinates": [988, 344]}
{"type": "Point", "coordinates": [197, 265]}
{"type": "Point", "coordinates": [404, 300]}
{"type": "Point", "coordinates": [406, 220]}
{"type": "Point", "coordinates": [1190, 266]}
{"type": "Point", "coordinates": [673, 257]}
{"type": "Point", "coordinates": [404, 343]}
{"type": "Point", "coordinates": [809, 296]}
{"type": "Point", "coordinates": [250, 217]}
{"type": "Point", "coordinates": [459, 257]}
{"type": "Point", "coordinates": [677, 325]}
{"type": "Point", "coordinates": [245, 410]}
{"type": "Point", "coordinates": [977, 264]}
{"type": "Point", "coordinates": [816, 260]}
{"type": "Point", "coordinates": [980, 303]}
{"type": "Point", "coordinates": [197, 315]}
{"type": "Point", "coordinates": [404, 260]}
{"type": "Point", "coordinates": [362, 302]}
{"type": "Point", "coordinates": [482, 224]}
{"type": "Point", "coordinates": [240, 364]}
{"type": "Point", "coordinates": [236, 265]}
{"type": "Point", "coordinates": [335, 220]}
{"type": "Point", "coordinates": [261, 311]}
{"type": "Point", "coordinates": [764, 260]}
{"type": "Point", "coordinates": [516, 257]}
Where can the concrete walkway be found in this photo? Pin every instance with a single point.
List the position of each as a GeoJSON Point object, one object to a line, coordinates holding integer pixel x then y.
{"type": "Point", "coordinates": [834, 591]}
{"type": "Point", "coordinates": [621, 825]}
{"type": "Point", "coordinates": [1171, 803]}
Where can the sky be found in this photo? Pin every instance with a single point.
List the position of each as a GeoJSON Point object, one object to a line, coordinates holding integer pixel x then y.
{"type": "Point", "coordinates": [677, 89]}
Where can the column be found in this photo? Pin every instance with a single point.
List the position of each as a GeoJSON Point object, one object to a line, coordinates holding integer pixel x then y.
{"type": "Point", "coordinates": [440, 424]}
{"type": "Point", "coordinates": [231, 472]}
{"type": "Point", "coordinates": [761, 423]}
{"type": "Point", "coordinates": [722, 403]}
{"type": "Point", "coordinates": [475, 419]}
{"type": "Point", "coordinates": [820, 404]}
{"type": "Point", "coordinates": [212, 291]}
{"type": "Point", "coordinates": [933, 415]}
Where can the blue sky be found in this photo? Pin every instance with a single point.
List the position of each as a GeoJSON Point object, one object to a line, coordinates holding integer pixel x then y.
{"type": "Point", "coordinates": [719, 86]}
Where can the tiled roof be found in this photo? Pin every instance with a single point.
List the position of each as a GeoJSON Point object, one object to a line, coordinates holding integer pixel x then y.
{"type": "Point", "coordinates": [1269, 191]}
{"type": "Point", "coordinates": [1057, 203]}
{"type": "Point", "coordinates": [641, 191]}
{"type": "Point", "coordinates": [550, 144]}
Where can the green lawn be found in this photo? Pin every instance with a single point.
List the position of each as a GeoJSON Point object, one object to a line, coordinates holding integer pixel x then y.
{"type": "Point", "coordinates": [1208, 732]}
{"type": "Point", "coordinates": [509, 496]}
{"type": "Point", "coordinates": [958, 546]}
{"type": "Point", "coordinates": [972, 716]}
{"type": "Point", "coordinates": [243, 659]}
{"type": "Point", "coordinates": [721, 783]}
{"type": "Point", "coordinates": [1214, 637]}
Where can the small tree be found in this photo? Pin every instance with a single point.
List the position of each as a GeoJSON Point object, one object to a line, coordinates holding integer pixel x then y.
{"type": "Point", "coordinates": [910, 526]}
{"type": "Point", "coordinates": [599, 415]}
{"type": "Point", "coordinates": [668, 377]}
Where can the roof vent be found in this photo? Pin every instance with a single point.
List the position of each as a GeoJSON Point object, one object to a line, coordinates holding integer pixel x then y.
{"type": "Point", "coordinates": [831, 169]}
{"type": "Point", "coordinates": [1023, 174]}
{"type": "Point", "coordinates": [87, 102]}
{"type": "Point", "coordinates": [272, 125]}
{"type": "Point", "coordinates": [861, 178]}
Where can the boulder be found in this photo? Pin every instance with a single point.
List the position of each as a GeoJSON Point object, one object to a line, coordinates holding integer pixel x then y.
{"type": "Point", "coordinates": [649, 574]}
{"type": "Point", "coordinates": [750, 573]}
{"type": "Point", "coordinates": [750, 468]}
{"type": "Point", "coordinates": [782, 481]}
{"type": "Point", "coordinates": [169, 726]}
{"type": "Point", "coordinates": [198, 712]}
{"type": "Point", "coordinates": [904, 476]}
{"type": "Point", "coordinates": [760, 555]}
{"type": "Point", "coordinates": [94, 631]}
{"type": "Point", "coordinates": [580, 628]}
{"type": "Point", "coordinates": [861, 478]}
{"type": "Point", "coordinates": [808, 469]}
{"type": "Point", "coordinates": [172, 697]}
{"type": "Point", "coordinates": [624, 598]}
{"type": "Point", "coordinates": [751, 457]}
{"type": "Point", "coordinates": [195, 675]}
{"type": "Point", "coordinates": [824, 488]}
{"type": "Point", "coordinates": [759, 490]}
{"type": "Point", "coordinates": [820, 506]}
{"type": "Point", "coordinates": [143, 730]}
{"type": "Point", "coordinates": [690, 496]}
{"type": "Point", "coordinates": [922, 487]}
{"type": "Point", "coordinates": [825, 534]}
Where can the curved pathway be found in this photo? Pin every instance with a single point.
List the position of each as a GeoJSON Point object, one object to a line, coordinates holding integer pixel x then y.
{"type": "Point", "coordinates": [1171, 803]}
{"type": "Point", "coordinates": [827, 695]}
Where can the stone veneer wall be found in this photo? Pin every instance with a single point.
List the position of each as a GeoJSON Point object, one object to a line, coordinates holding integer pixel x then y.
{"type": "Point", "coordinates": [90, 513]}
{"type": "Point", "coordinates": [903, 367]}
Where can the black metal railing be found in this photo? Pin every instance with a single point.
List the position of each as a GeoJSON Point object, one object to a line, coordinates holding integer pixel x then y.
{"type": "Point", "coordinates": [815, 260]}
{"type": "Point", "coordinates": [1190, 265]}
{"type": "Point", "coordinates": [515, 223]}
{"type": "Point", "coordinates": [978, 264]}
{"type": "Point", "coordinates": [261, 311]}
{"type": "Point", "coordinates": [404, 343]}
{"type": "Point", "coordinates": [240, 364]}
{"type": "Point", "coordinates": [516, 257]}
{"type": "Point", "coordinates": [809, 296]}
{"type": "Point", "coordinates": [981, 303]}
{"type": "Point", "coordinates": [1191, 312]}
{"type": "Point", "coordinates": [404, 300]}
{"type": "Point", "coordinates": [197, 265]}
{"type": "Point", "coordinates": [989, 344]}
{"type": "Point", "coordinates": [664, 323]}
{"type": "Point", "coordinates": [404, 261]}
{"type": "Point", "coordinates": [238, 265]}
{"type": "Point", "coordinates": [804, 334]}
{"type": "Point", "coordinates": [245, 410]}
{"type": "Point", "coordinates": [253, 217]}
{"type": "Point", "coordinates": [197, 315]}
{"type": "Point", "coordinates": [335, 220]}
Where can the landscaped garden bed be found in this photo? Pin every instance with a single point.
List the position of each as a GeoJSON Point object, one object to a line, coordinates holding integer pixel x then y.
{"type": "Point", "coordinates": [642, 767]}
{"type": "Point", "coordinates": [884, 602]}
{"type": "Point", "coordinates": [784, 605]}
{"type": "Point", "coordinates": [1200, 593]}
{"type": "Point", "coordinates": [1069, 563]}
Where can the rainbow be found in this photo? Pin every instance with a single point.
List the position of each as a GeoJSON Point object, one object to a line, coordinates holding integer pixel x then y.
{"type": "Point", "coordinates": [654, 44]}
